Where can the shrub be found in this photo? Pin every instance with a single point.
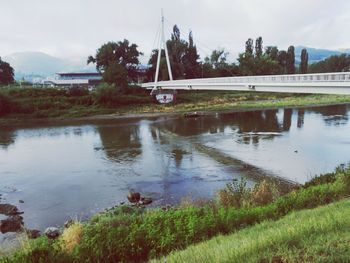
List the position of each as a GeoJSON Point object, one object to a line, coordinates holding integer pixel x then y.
{"type": "Point", "coordinates": [71, 237]}
{"type": "Point", "coordinates": [264, 193]}
{"type": "Point", "coordinates": [107, 95]}
{"type": "Point", "coordinates": [77, 91]}
{"type": "Point", "coordinates": [7, 105]}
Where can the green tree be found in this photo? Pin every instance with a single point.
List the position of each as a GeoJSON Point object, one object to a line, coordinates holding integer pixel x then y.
{"type": "Point", "coordinates": [258, 47]}
{"type": "Point", "coordinates": [117, 62]}
{"type": "Point", "coordinates": [339, 63]}
{"type": "Point", "coordinates": [190, 60]}
{"type": "Point", "coordinates": [6, 73]}
{"type": "Point", "coordinates": [290, 60]}
{"type": "Point", "coordinates": [304, 61]}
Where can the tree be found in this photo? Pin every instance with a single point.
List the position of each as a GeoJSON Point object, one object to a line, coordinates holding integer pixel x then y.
{"type": "Point", "coordinates": [6, 73]}
{"type": "Point", "coordinates": [258, 47]}
{"type": "Point", "coordinates": [190, 60]}
{"type": "Point", "coordinates": [304, 61]}
{"type": "Point", "coordinates": [117, 62]}
{"type": "Point", "coordinates": [290, 60]}
{"type": "Point", "coordinates": [339, 63]}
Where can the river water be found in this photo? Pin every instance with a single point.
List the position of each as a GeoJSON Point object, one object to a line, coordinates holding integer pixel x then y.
{"type": "Point", "coordinates": [76, 170]}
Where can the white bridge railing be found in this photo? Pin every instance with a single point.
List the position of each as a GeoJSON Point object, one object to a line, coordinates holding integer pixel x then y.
{"type": "Point", "coordinates": [324, 83]}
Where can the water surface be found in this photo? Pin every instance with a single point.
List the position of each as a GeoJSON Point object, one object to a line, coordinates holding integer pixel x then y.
{"type": "Point", "coordinates": [79, 169]}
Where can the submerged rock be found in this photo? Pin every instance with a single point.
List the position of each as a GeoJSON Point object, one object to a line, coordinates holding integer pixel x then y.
{"type": "Point", "coordinates": [11, 224]}
{"type": "Point", "coordinates": [9, 210]}
{"type": "Point", "coordinates": [134, 197]}
{"type": "Point", "coordinates": [146, 200]}
{"type": "Point", "coordinates": [52, 232]}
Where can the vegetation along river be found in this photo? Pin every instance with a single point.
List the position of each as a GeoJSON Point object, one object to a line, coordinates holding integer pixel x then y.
{"type": "Point", "coordinates": [53, 173]}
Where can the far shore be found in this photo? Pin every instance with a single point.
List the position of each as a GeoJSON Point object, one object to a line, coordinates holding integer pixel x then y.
{"type": "Point", "coordinates": [22, 120]}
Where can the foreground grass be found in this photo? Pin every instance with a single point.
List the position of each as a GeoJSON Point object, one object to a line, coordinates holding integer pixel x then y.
{"type": "Point", "coordinates": [129, 234]}
{"type": "Point", "coordinates": [317, 235]}
{"type": "Point", "coordinates": [38, 103]}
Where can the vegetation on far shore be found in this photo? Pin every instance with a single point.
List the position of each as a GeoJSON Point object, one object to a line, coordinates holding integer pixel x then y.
{"type": "Point", "coordinates": [40, 103]}
{"type": "Point", "coordinates": [133, 234]}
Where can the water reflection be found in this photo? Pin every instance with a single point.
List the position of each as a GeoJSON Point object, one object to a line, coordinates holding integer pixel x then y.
{"type": "Point", "coordinates": [81, 169]}
{"type": "Point", "coordinates": [120, 143]}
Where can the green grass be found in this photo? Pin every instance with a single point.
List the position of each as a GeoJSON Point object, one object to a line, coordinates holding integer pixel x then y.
{"type": "Point", "coordinates": [317, 235]}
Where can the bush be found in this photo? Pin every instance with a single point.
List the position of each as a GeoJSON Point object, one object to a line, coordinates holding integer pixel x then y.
{"type": "Point", "coordinates": [7, 105]}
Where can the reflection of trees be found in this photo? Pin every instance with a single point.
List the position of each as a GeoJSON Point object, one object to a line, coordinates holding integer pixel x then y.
{"type": "Point", "coordinates": [301, 114]}
{"type": "Point", "coordinates": [120, 142]}
{"type": "Point", "coordinates": [333, 115]}
{"type": "Point", "coordinates": [7, 137]}
{"type": "Point", "coordinates": [248, 123]}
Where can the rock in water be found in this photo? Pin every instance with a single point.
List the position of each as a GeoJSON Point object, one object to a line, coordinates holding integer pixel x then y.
{"type": "Point", "coordinates": [52, 232]}
{"type": "Point", "coordinates": [134, 197]}
{"type": "Point", "coordinates": [32, 233]}
{"type": "Point", "coordinates": [9, 210]}
{"type": "Point", "coordinates": [11, 224]}
{"type": "Point", "coordinates": [146, 200]}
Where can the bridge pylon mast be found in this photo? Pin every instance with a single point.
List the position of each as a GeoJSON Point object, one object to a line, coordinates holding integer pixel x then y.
{"type": "Point", "coordinates": [162, 44]}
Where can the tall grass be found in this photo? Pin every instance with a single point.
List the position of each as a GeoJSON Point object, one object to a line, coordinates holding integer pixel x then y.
{"type": "Point", "coordinates": [318, 235]}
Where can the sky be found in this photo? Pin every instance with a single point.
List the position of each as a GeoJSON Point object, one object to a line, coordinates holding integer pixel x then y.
{"type": "Point", "coordinates": [74, 29]}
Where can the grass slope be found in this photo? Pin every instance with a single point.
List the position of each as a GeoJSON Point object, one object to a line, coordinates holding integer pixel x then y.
{"type": "Point", "coordinates": [318, 235]}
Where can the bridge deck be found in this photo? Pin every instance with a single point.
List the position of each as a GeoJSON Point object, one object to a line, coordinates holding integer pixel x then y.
{"type": "Point", "coordinates": [323, 83]}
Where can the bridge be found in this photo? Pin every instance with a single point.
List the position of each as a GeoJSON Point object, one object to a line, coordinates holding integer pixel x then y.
{"type": "Point", "coordinates": [321, 83]}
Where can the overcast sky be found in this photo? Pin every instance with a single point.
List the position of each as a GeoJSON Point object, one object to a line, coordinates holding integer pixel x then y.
{"type": "Point", "coordinates": [76, 28]}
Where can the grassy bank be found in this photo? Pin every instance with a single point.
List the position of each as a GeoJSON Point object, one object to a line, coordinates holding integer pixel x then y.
{"type": "Point", "coordinates": [130, 234]}
{"type": "Point", "coordinates": [316, 235]}
{"type": "Point", "coordinates": [38, 103]}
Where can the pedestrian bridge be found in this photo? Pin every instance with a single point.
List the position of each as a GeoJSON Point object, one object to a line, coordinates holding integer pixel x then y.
{"type": "Point", "coordinates": [321, 83]}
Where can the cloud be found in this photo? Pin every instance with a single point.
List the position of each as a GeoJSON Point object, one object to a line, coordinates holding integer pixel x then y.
{"type": "Point", "coordinates": [77, 28]}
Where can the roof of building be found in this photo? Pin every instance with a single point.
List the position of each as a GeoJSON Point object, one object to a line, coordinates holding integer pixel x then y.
{"type": "Point", "coordinates": [79, 74]}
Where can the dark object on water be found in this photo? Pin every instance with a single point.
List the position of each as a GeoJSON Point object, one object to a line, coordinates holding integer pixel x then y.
{"type": "Point", "coordinates": [134, 197]}
{"type": "Point", "coordinates": [9, 210]}
{"type": "Point", "coordinates": [11, 224]}
{"type": "Point", "coordinates": [146, 200]}
{"type": "Point", "coordinates": [21, 201]}
{"type": "Point", "coordinates": [193, 114]}
{"type": "Point", "coordinates": [296, 151]}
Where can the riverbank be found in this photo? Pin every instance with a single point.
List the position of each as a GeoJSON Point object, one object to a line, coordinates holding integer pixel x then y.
{"type": "Point", "coordinates": [314, 235]}
{"type": "Point", "coordinates": [134, 234]}
{"type": "Point", "coordinates": [52, 106]}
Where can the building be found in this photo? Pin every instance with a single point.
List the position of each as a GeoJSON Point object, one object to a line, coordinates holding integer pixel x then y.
{"type": "Point", "coordinates": [74, 79]}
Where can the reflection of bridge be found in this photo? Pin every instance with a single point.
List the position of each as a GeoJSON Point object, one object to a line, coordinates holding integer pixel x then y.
{"type": "Point", "coordinates": [323, 83]}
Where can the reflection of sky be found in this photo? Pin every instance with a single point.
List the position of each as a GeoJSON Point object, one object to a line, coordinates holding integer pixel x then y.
{"type": "Point", "coordinates": [320, 148]}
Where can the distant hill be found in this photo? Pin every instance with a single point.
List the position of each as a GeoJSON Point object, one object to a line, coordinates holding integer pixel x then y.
{"type": "Point", "coordinates": [316, 54]}
{"type": "Point", "coordinates": [28, 65]}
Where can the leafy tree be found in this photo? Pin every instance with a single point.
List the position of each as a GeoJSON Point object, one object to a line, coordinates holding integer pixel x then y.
{"type": "Point", "coordinates": [191, 64]}
{"type": "Point", "coordinates": [6, 73]}
{"type": "Point", "coordinates": [282, 61]}
{"type": "Point", "coordinates": [117, 62]}
{"type": "Point", "coordinates": [258, 47]}
{"type": "Point", "coordinates": [290, 60]}
{"type": "Point", "coordinates": [304, 61]}
{"type": "Point", "coordinates": [339, 63]}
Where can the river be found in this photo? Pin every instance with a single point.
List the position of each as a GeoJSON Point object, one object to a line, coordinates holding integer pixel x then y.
{"type": "Point", "coordinates": [76, 170]}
